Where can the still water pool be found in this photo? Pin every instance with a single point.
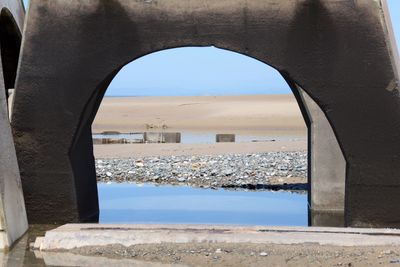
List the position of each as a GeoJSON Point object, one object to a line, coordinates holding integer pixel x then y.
{"type": "Point", "coordinates": [132, 203]}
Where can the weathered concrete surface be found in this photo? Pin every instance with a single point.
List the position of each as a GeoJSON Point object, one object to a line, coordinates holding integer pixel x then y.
{"type": "Point", "coordinates": [73, 49]}
{"type": "Point", "coordinates": [73, 236]}
{"type": "Point", "coordinates": [326, 168]}
{"type": "Point", "coordinates": [13, 220]}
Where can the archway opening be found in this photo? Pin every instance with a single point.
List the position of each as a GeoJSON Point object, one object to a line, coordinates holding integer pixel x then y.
{"type": "Point", "coordinates": [10, 44]}
{"type": "Point", "coordinates": [200, 135]}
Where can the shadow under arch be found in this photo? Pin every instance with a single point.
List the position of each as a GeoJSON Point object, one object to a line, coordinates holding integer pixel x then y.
{"type": "Point", "coordinates": [81, 150]}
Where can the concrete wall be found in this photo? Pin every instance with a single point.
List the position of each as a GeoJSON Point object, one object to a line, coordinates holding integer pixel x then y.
{"type": "Point", "coordinates": [72, 53]}
{"type": "Point", "coordinates": [13, 220]}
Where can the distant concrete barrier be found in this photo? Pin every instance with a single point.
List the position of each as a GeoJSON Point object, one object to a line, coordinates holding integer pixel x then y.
{"type": "Point", "coordinates": [110, 133]}
{"type": "Point", "coordinates": [111, 137]}
{"type": "Point", "coordinates": [110, 141]}
{"type": "Point", "coordinates": [171, 137]}
{"type": "Point", "coordinates": [161, 137]}
{"type": "Point", "coordinates": [225, 138]}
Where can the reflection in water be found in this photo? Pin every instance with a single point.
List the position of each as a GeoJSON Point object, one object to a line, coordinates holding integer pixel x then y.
{"type": "Point", "coordinates": [131, 203]}
{"type": "Point", "coordinates": [22, 256]}
{"type": "Point", "coordinates": [70, 259]}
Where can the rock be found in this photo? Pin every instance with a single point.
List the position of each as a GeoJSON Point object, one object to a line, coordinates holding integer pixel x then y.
{"type": "Point", "coordinates": [228, 172]}
{"type": "Point", "coordinates": [395, 261]}
{"type": "Point", "coordinates": [139, 164]}
{"type": "Point", "coordinates": [234, 170]}
{"type": "Point", "coordinates": [213, 172]}
{"type": "Point", "coordinates": [387, 252]}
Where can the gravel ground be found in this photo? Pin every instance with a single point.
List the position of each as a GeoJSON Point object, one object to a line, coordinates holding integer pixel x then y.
{"type": "Point", "coordinates": [243, 254]}
{"type": "Point", "coordinates": [272, 170]}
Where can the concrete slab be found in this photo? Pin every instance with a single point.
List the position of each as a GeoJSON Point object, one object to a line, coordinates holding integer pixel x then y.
{"type": "Point", "coordinates": [73, 236]}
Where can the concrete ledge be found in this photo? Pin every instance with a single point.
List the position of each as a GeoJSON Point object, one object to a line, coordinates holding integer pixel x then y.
{"type": "Point", "coordinates": [72, 236]}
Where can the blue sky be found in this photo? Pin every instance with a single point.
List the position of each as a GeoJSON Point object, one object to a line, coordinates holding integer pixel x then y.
{"type": "Point", "coordinates": [215, 72]}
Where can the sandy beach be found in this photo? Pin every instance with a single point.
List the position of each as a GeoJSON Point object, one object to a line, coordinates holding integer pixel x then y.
{"type": "Point", "coordinates": [148, 150]}
{"type": "Point", "coordinates": [264, 115]}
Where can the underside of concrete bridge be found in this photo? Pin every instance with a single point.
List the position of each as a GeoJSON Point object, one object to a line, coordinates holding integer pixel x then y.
{"type": "Point", "coordinates": [338, 57]}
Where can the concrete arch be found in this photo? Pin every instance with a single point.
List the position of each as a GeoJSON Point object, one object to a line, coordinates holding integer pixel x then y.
{"type": "Point", "coordinates": [326, 195]}
{"type": "Point", "coordinates": [13, 220]}
{"type": "Point", "coordinates": [342, 63]}
{"type": "Point", "coordinates": [80, 151]}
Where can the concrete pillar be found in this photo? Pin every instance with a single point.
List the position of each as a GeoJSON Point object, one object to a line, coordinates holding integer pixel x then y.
{"type": "Point", "coordinates": [10, 102]}
{"type": "Point", "coordinates": [13, 220]}
{"type": "Point", "coordinates": [327, 168]}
